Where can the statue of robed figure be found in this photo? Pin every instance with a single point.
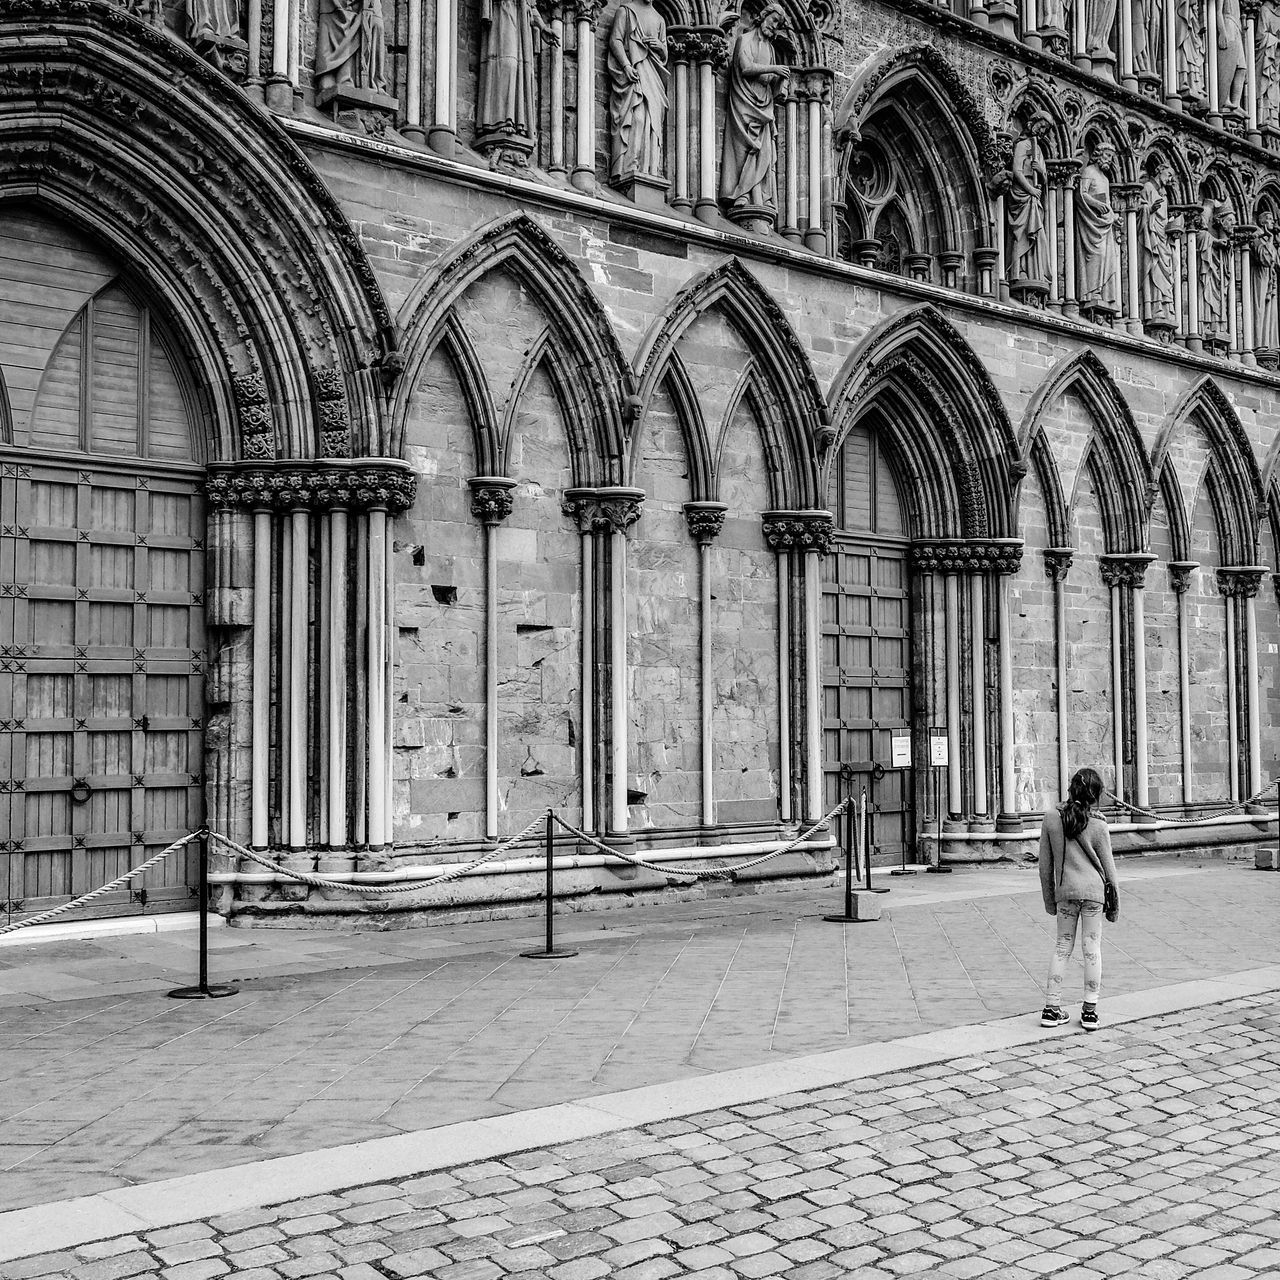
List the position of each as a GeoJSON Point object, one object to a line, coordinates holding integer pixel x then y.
{"type": "Point", "coordinates": [1025, 206]}
{"type": "Point", "coordinates": [1097, 223]}
{"type": "Point", "coordinates": [1157, 254]}
{"type": "Point", "coordinates": [637, 92]}
{"type": "Point", "coordinates": [351, 54]}
{"type": "Point", "coordinates": [506, 110]}
{"type": "Point", "coordinates": [1266, 289]}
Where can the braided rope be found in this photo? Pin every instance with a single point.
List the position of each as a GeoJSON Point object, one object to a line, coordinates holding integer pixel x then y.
{"type": "Point", "coordinates": [701, 873]}
{"type": "Point", "coordinates": [408, 886]}
{"type": "Point", "coordinates": [1193, 822]}
{"type": "Point", "coordinates": [106, 888]}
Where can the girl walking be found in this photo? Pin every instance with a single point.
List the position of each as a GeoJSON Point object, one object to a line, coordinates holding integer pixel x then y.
{"type": "Point", "coordinates": [1076, 870]}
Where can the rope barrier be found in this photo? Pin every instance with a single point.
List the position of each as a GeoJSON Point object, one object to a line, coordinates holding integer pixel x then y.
{"type": "Point", "coordinates": [408, 886]}
{"type": "Point", "coordinates": [1193, 822]}
{"type": "Point", "coordinates": [705, 873]}
{"type": "Point", "coordinates": [103, 889]}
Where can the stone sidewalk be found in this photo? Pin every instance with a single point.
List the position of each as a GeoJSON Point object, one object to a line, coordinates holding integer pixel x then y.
{"type": "Point", "coordinates": [450, 1025]}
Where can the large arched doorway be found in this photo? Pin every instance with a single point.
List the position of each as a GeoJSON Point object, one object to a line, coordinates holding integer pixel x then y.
{"type": "Point", "coordinates": [866, 637]}
{"type": "Point", "coordinates": [101, 580]}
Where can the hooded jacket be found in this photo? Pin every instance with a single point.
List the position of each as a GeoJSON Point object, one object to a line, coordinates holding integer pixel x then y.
{"type": "Point", "coordinates": [1066, 872]}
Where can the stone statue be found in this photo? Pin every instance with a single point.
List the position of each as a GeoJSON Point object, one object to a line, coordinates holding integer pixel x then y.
{"type": "Point", "coordinates": [748, 178]}
{"type": "Point", "coordinates": [1267, 37]}
{"type": "Point", "coordinates": [1025, 205]}
{"type": "Point", "coordinates": [1097, 243]}
{"type": "Point", "coordinates": [1231, 61]}
{"type": "Point", "coordinates": [506, 110]}
{"type": "Point", "coordinates": [1189, 39]}
{"type": "Point", "coordinates": [351, 47]}
{"type": "Point", "coordinates": [1148, 38]}
{"type": "Point", "coordinates": [637, 89]}
{"type": "Point", "coordinates": [1100, 17]}
{"type": "Point", "coordinates": [1213, 243]}
{"type": "Point", "coordinates": [211, 23]}
{"type": "Point", "coordinates": [1266, 283]}
{"type": "Point", "coordinates": [1156, 230]}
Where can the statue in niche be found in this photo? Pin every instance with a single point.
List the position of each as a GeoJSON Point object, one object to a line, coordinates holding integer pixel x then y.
{"type": "Point", "coordinates": [351, 49]}
{"type": "Point", "coordinates": [1231, 61]}
{"type": "Point", "coordinates": [1100, 17]}
{"type": "Point", "coordinates": [1097, 237]}
{"type": "Point", "coordinates": [748, 162]}
{"type": "Point", "coordinates": [1156, 231]}
{"type": "Point", "coordinates": [1053, 26]}
{"type": "Point", "coordinates": [212, 24]}
{"type": "Point", "coordinates": [1189, 42]}
{"type": "Point", "coordinates": [637, 90]}
{"type": "Point", "coordinates": [506, 109]}
{"type": "Point", "coordinates": [1213, 243]}
{"type": "Point", "coordinates": [1025, 204]}
{"type": "Point", "coordinates": [1267, 37]}
{"type": "Point", "coordinates": [1148, 39]}
{"type": "Point", "coordinates": [1265, 250]}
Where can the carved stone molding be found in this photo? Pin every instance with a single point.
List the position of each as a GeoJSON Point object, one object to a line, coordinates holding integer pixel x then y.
{"type": "Point", "coordinates": [1240, 581]}
{"type": "Point", "coordinates": [1057, 562]}
{"type": "Point", "coordinates": [360, 484]}
{"type": "Point", "coordinates": [799, 530]}
{"type": "Point", "coordinates": [603, 510]}
{"type": "Point", "coordinates": [705, 520]}
{"type": "Point", "coordinates": [699, 44]}
{"type": "Point", "coordinates": [254, 414]}
{"type": "Point", "coordinates": [1180, 572]}
{"type": "Point", "coordinates": [1125, 570]}
{"type": "Point", "coordinates": [333, 416]}
{"type": "Point", "coordinates": [491, 498]}
{"type": "Point", "coordinates": [967, 555]}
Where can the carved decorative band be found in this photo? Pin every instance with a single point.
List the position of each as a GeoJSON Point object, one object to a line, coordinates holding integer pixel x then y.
{"type": "Point", "coordinates": [699, 44]}
{"type": "Point", "coordinates": [1240, 581]}
{"type": "Point", "coordinates": [799, 530]}
{"type": "Point", "coordinates": [967, 555]}
{"type": "Point", "coordinates": [603, 510]}
{"type": "Point", "coordinates": [1125, 570]}
{"type": "Point", "coordinates": [362, 484]}
{"type": "Point", "coordinates": [491, 500]}
{"type": "Point", "coordinates": [705, 519]}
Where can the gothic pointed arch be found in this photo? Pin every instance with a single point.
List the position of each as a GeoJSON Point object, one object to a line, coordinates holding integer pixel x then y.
{"type": "Point", "coordinates": [209, 204]}
{"type": "Point", "coordinates": [1235, 481]}
{"type": "Point", "coordinates": [590, 371]}
{"type": "Point", "coordinates": [793, 414]}
{"type": "Point", "coordinates": [1122, 473]}
{"type": "Point", "coordinates": [942, 422]}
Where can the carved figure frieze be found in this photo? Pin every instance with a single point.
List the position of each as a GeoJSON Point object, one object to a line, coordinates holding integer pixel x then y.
{"type": "Point", "coordinates": [748, 163]}
{"type": "Point", "coordinates": [1157, 250]}
{"type": "Point", "coordinates": [506, 112]}
{"type": "Point", "coordinates": [967, 555]}
{"type": "Point", "coordinates": [799, 530]}
{"type": "Point", "coordinates": [371, 484]}
{"type": "Point", "coordinates": [1025, 198]}
{"type": "Point", "coordinates": [1098, 225]}
{"type": "Point", "coordinates": [1265, 251]}
{"type": "Point", "coordinates": [637, 68]}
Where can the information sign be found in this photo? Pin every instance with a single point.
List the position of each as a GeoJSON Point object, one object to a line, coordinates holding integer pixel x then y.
{"type": "Point", "coordinates": [901, 746]}
{"type": "Point", "coordinates": [938, 749]}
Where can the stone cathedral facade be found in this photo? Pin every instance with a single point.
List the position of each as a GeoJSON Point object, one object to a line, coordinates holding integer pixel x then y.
{"type": "Point", "coordinates": [416, 414]}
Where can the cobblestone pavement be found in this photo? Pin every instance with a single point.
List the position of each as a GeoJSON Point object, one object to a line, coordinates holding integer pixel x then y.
{"type": "Point", "coordinates": [1149, 1151]}
{"type": "Point", "coordinates": [97, 1094]}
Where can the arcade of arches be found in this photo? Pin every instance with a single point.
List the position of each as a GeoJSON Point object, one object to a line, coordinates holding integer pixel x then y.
{"type": "Point", "coordinates": [362, 504]}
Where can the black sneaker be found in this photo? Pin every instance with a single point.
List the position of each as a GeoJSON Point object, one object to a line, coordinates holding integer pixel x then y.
{"type": "Point", "coordinates": [1089, 1019]}
{"type": "Point", "coordinates": [1053, 1017]}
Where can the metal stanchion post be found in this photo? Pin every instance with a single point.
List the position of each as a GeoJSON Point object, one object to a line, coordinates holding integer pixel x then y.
{"type": "Point", "coordinates": [549, 952]}
{"type": "Point", "coordinates": [850, 816]}
{"type": "Point", "coordinates": [202, 990]}
{"type": "Point", "coordinates": [936, 865]}
{"type": "Point", "coordinates": [877, 772]}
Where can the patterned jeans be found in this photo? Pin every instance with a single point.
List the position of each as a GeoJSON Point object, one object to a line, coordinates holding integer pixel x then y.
{"type": "Point", "coordinates": [1088, 915]}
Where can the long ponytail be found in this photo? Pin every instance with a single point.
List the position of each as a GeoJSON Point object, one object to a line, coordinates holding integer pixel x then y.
{"type": "Point", "coordinates": [1084, 792]}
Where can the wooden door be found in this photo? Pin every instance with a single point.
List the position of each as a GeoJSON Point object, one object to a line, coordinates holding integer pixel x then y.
{"type": "Point", "coordinates": [866, 643]}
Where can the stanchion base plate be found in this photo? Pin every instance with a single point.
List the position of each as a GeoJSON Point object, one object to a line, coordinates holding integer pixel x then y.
{"type": "Point", "coordinates": [874, 888]}
{"type": "Point", "coordinates": [844, 919]}
{"type": "Point", "coordinates": [557, 954]}
{"type": "Point", "coordinates": [939, 871]}
{"type": "Point", "coordinates": [904, 871]}
{"type": "Point", "coordinates": [209, 992]}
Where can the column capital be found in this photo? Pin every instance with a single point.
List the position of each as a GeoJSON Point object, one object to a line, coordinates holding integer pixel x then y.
{"type": "Point", "coordinates": [1240, 580]}
{"type": "Point", "coordinates": [491, 498]}
{"type": "Point", "coordinates": [1125, 569]}
{"type": "Point", "coordinates": [313, 484]}
{"type": "Point", "coordinates": [1064, 172]}
{"type": "Point", "coordinates": [1057, 562]}
{"type": "Point", "coordinates": [699, 44]}
{"type": "Point", "coordinates": [1180, 572]}
{"type": "Point", "coordinates": [612, 510]}
{"type": "Point", "coordinates": [967, 555]}
{"type": "Point", "coordinates": [813, 84]}
{"type": "Point", "coordinates": [799, 530]}
{"type": "Point", "coordinates": [705, 520]}
{"type": "Point", "coordinates": [587, 10]}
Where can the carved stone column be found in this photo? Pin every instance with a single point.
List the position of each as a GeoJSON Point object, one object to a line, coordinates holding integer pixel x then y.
{"type": "Point", "coordinates": [442, 136]}
{"type": "Point", "coordinates": [1249, 13]}
{"type": "Point", "coordinates": [818, 91]}
{"type": "Point", "coordinates": [584, 166]}
{"type": "Point", "coordinates": [1191, 217]}
{"type": "Point", "coordinates": [555, 92]}
{"type": "Point", "coordinates": [1127, 194]}
{"type": "Point", "coordinates": [1180, 572]}
{"type": "Point", "coordinates": [1064, 176]}
{"type": "Point", "coordinates": [807, 534]}
{"type": "Point", "coordinates": [790, 100]}
{"type": "Point", "coordinates": [705, 520]}
{"type": "Point", "coordinates": [1125, 575]}
{"type": "Point", "coordinates": [491, 504]}
{"type": "Point", "coordinates": [1057, 564]}
{"type": "Point", "coordinates": [1242, 243]}
{"type": "Point", "coordinates": [1239, 585]}
{"type": "Point", "coordinates": [682, 45]}
{"type": "Point", "coordinates": [710, 48]}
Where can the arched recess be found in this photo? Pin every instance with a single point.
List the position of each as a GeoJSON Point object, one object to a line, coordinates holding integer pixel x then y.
{"type": "Point", "coordinates": [786, 395]}
{"type": "Point", "coordinates": [591, 372]}
{"type": "Point", "coordinates": [1114, 455]}
{"type": "Point", "coordinates": [213, 207]}
{"type": "Point", "coordinates": [941, 421]}
{"type": "Point", "coordinates": [918, 156]}
{"type": "Point", "coordinates": [1234, 481]}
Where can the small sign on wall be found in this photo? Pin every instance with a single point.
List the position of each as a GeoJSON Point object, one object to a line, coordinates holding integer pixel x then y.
{"type": "Point", "coordinates": [900, 742]}
{"type": "Point", "coordinates": [937, 749]}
